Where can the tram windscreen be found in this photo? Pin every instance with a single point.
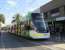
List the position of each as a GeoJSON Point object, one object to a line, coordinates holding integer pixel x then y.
{"type": "Point", "coordinates": [39, 23]}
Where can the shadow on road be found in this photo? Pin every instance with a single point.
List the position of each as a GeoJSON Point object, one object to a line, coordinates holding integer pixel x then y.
{"type": "Point", "coordinates": [11, 41]}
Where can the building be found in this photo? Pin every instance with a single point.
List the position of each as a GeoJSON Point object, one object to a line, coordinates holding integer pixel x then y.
{"type": "Point", "coordinates": [54, 13]}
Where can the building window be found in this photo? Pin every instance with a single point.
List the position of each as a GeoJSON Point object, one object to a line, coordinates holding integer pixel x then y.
{"type": "Point", "coordinates": [45, 14]}
{"type": "Point", "coordinates": [55, 12]}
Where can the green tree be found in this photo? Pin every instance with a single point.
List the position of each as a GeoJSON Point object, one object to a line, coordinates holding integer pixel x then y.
{"type": "Point", "coordinates": [2, 19]}
{"type": "Point", "coordinates": [28, 16]}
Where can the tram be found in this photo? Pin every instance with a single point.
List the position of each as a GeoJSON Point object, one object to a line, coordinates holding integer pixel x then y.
{"type": "Point", "coordinates": [34, 27]}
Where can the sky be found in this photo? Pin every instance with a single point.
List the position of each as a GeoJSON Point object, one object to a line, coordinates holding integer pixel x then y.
{"type": "Point", "coordinates": [11, 7]}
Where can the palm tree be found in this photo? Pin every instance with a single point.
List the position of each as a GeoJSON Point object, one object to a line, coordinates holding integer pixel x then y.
{"type": "Point", "coordinates": [17, 20]}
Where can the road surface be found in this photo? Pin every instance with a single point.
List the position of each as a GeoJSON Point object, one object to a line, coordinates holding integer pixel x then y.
{"type": "Point", "coordinates": [11, 42]}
